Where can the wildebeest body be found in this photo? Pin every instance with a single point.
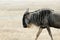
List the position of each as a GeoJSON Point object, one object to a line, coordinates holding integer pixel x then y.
{"type": "Point", "coordinates": [56, 21]}
{"type": "Point", "coordinates": [42, 18]}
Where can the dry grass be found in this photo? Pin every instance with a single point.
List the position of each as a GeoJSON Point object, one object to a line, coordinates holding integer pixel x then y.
{"type": "Point", "coordinates": [11, 27]}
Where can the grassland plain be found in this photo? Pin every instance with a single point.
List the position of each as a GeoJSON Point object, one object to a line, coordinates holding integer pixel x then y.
{"type": "Point", "coordinates": [11, 26]}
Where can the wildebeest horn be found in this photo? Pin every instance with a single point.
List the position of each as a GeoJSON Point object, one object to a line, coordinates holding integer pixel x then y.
{"type": "Point", "coordinates": [27, 10]}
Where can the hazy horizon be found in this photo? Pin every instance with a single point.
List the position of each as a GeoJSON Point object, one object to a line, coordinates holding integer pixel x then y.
{"type": "Point", "coordinates": [29, 2]}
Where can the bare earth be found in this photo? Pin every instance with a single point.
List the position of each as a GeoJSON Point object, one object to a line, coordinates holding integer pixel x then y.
{"type": "Point", "coordinates": [11, 27]}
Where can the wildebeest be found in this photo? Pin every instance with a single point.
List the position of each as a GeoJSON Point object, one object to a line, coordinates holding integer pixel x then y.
{"type": "Point", "coordinates": [43, 18]}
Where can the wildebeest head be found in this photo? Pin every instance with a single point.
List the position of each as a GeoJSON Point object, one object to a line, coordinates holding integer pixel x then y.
{"type": "Point", "coordinates": [26, 19]}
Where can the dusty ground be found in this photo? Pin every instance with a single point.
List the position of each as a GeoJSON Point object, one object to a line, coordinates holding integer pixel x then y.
{"type": "Point", "coordinates": [11, 27]}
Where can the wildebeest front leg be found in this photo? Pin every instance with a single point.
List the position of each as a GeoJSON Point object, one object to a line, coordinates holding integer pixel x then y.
{"type": "Point", "coordinates": [49, 31]}
{"type": "Point", "coordinates": [39, 31]}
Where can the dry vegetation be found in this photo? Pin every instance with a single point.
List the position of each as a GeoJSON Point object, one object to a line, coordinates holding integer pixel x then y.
{"type": "Point", "coordinates": [11, 27]}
